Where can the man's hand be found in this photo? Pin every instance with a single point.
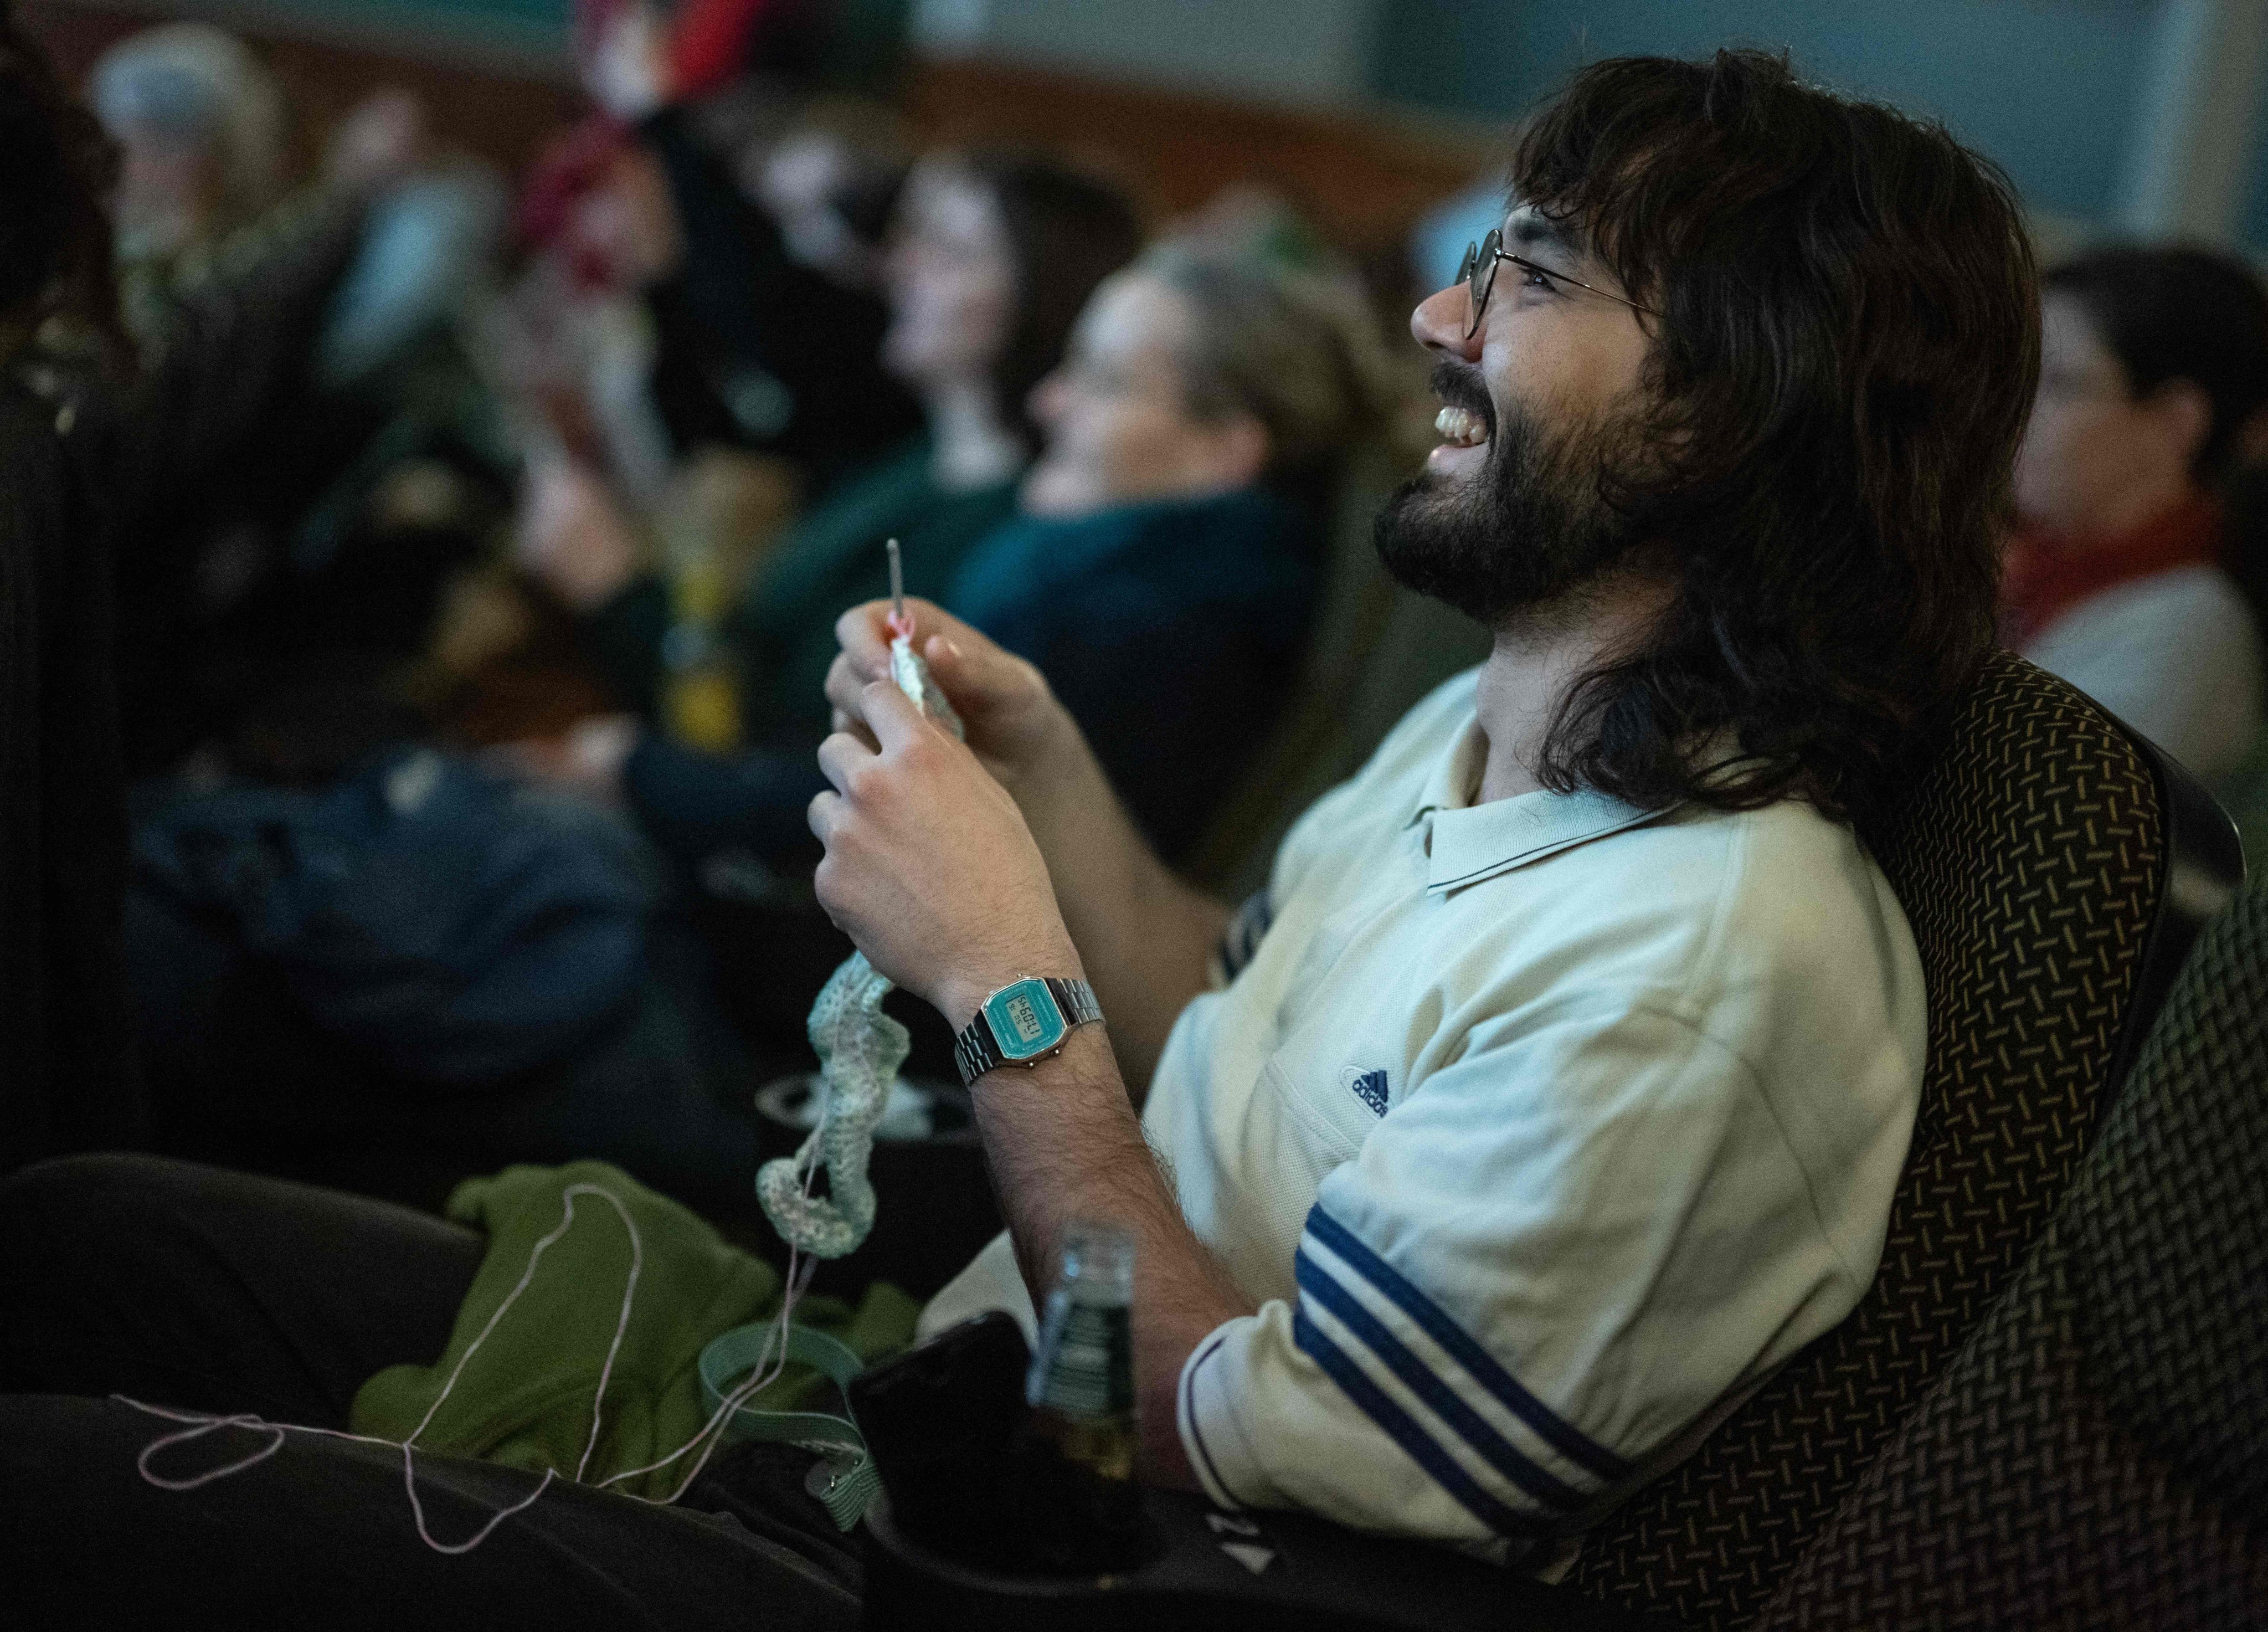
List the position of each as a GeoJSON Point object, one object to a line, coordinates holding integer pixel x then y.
{"type": "Point", "coordinates": [1144, 935]}
{"type": "Point", "coordinates": [1015, 726]}
{"type": "Point", "coordinates": [930, 867]}
{"type": "Point", "coordinates": [588, 759]}
{"type": "Point", "coordinates": [377, 144]}
{"type": "Point", "coordinates": [573, 536]}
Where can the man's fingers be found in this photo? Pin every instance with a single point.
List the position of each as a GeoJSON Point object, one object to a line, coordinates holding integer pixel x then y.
{"type": "Point", "coordinates": [890, 714]}
{"type": "Point", "coordinates": [845, 683]}
{"type": "Point", "coordinates": [864, 634]}
{"type": "Point", "coordinates": [839, 756]}
{"type": "Point", "coordinates": [822, 815]}
{"type": "Point", "coordinates": [975, 677]}
{"type": "Point", "coordinates": [848, 726]}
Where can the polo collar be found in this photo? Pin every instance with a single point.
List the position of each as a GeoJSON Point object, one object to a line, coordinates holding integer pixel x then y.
{"type": "Point", "coordinates": [1471, 842]}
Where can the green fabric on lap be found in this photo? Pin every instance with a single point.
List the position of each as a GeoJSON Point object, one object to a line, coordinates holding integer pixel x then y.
{"type": "Point", "coordinates": [525, 1398]}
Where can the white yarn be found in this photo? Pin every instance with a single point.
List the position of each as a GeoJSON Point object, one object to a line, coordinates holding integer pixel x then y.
{"type": "Point", "coordinates": [768, 1367]}
{"type": "Point", "coordinates": [860, 1049]}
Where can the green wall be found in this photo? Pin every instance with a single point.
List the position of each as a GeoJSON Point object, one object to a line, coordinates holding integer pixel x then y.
{"type": "Point", "coordinates": [2046, 87]}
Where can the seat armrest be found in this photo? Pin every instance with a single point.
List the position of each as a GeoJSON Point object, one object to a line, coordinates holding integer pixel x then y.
{"type": "Point", "coordinates": [1240, 1572]}
{"type": "Point", "coordinates": [2204, 864]}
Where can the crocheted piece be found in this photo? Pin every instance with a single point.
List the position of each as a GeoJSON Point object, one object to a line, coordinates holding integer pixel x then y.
{"type": "Point", "coordinates": [860, 1049]}
{"type": "Point", "coordinates": [912, 676]}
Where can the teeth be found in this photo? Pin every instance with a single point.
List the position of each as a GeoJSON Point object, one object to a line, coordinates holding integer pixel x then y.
{"type": "Point", "coordinates": [1461, 427]}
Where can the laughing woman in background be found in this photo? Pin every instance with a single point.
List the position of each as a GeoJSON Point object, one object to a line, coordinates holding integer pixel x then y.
{"type": "Point", "coordinates": [1163, 562]}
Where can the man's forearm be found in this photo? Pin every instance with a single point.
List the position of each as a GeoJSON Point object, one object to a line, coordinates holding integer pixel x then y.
{"type": "Point", "coordinates": [1064, 1148]}
{"type": "Point", "coordinates": [1146, 937]}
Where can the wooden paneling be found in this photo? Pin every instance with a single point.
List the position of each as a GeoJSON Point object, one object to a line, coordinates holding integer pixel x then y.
{"type": "Point", "coordinates": [503, 117]}
{"type": "Point", "coordinates": [1365, 181]}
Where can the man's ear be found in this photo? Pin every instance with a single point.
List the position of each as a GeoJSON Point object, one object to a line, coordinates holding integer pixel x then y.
{"type": "Point", "coordinates": [2185, 413]}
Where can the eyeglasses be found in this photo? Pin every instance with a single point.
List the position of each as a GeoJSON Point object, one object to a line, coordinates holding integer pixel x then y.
{"type": "Point", "coordinates": [1478, 273]}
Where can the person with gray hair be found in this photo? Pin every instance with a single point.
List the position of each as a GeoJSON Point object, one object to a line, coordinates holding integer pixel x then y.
{"type": "Point", "coordinates": [200, 125]}
{"type": "Point", "coordinates": [1293, 346]}
{"type": "Point", "coordinates": [1164, 566]}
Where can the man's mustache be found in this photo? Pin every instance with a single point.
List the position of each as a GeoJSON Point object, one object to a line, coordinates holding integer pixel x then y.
{"type": "Point", "coordinates": [1458, 385]}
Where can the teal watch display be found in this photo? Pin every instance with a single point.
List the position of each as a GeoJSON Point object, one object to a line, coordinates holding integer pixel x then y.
{"type": "Point", "coordinates": [1022, 1023]}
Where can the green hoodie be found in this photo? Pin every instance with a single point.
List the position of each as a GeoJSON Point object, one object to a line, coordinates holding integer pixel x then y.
{"type": "Point", "coordinates": [524, 1397]}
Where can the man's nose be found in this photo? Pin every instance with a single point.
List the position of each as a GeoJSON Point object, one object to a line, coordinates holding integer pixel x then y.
{"type": "Point", "coordinates": [1439, 324]}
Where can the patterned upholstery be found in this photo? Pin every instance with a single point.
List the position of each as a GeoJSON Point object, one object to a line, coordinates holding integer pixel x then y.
{"type": "Point", "coordinates": [2029, 861]}
{"type": "Point", "coordinates": [2097, 1454]}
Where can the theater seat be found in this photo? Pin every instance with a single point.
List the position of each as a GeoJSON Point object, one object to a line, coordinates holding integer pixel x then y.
{"type": "Point", "coordinates": [2033, 861]}
{"type": "Point", "coordinates": [2096, 1454]}
{"type": "Point", "coordinates": [2056, 868]}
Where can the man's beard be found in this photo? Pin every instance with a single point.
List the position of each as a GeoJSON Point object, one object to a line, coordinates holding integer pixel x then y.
{"type": "Point", "coordinates": [1529, 531]}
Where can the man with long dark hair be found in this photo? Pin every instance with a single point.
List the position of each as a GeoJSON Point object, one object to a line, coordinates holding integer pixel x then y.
{"type": "Point", "coordinates": [1576, 1043]}
{"type": "Point", "coordinates": [1553, 1092]}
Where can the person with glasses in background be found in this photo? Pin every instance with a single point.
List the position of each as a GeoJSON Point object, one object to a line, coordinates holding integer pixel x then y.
{"type": "Point", "coordinates": [2153, 367]}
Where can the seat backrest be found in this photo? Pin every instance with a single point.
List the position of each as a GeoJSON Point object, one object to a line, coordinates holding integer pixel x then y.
{"type": "Point", "coordinates": [2031, 861]}
{"type": "Point", "coordinates": [2097, 1453]}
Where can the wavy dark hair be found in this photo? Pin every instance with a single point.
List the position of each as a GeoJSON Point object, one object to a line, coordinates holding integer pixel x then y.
{"type": "Point", "coordinates": [1067, 231]}
{"type": "Point", "coordinates": [56, 168]}
{"type": "Point", "coordinates": [1847, 349]}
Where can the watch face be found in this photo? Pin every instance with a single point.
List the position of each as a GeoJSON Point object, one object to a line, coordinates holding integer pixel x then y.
{"type": "Point", "coordinates": [1024, 1019]}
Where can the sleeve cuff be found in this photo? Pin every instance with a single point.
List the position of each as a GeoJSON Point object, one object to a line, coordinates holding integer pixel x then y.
{"type": "Point", "coordinates": [1211, 1437]}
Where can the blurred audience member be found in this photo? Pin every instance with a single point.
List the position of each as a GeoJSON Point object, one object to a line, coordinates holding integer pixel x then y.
{"type": "Point", "coordinates": [993, 259]}
{"type": "Point", "coordinates": [2153, 362]}
{"type": "Point", "coordinates": [755, 344]}
{"type": "Point", "coordinates": [285, 338]}
{"type": "Point", "coordinates": [66, 1081]}
{"type": "Point", "coordinates": [1165, 565]}
{"type": "Point", "coordinates": [574, 347]}
{"type": "Point", "coordinates": [200, 127]}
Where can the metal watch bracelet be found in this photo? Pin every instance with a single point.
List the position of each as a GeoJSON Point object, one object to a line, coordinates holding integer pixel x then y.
{"type": "Point", "coordinates": [976, 1050]}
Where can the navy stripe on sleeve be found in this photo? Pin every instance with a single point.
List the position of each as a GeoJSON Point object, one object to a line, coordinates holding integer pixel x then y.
{"type": "Point", "coordinates": [1554, 1430]}
{"type": "Point", "coordinates": [1439, 1397]}
{"type": "Point", "coordinates": [1404, 1431]}
{"type": "Point", "coordinates": [1189, 1413]}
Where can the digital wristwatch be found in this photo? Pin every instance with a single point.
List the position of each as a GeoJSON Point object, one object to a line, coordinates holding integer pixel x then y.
{"type": "Point", "coordinates": [1022, 1023]}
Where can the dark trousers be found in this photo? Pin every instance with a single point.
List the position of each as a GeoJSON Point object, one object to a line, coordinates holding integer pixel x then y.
{"type": "Point", "coordinates": [194, 1287]}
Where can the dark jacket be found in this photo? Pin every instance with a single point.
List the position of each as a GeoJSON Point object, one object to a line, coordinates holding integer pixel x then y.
{"type": "Point", "coordinates": [66, 1076]}
{"type": "Point", "coordinates": [781, 634]}
{"type": "Point", "coordinates": [1172, 632]}
{"type": "Point", "coordinates": [214, 453]}
{"type": "Point", "coordinates": [444, 921]}
{"type": "Point", "coordinates": [754, 350]}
